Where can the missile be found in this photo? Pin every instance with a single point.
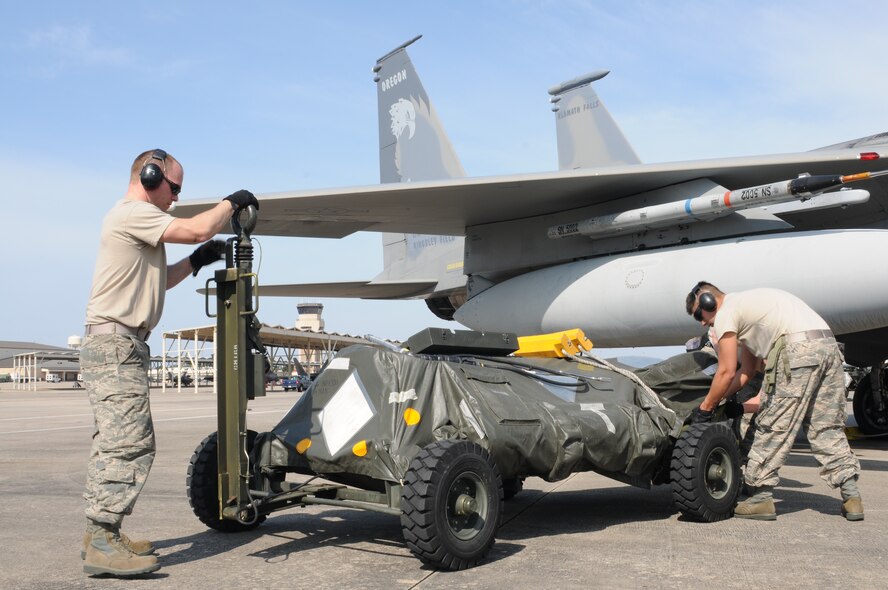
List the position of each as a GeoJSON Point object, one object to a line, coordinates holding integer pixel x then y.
{"type": "Point", "coordinates": [711, 205]}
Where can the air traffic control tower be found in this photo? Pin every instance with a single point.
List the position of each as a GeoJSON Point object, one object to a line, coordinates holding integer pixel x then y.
{"type": "Point", "coordinates": [310, 317]}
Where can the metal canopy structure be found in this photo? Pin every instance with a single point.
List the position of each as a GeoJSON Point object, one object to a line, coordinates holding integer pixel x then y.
{"type": "Point", "coordinates": [31, 367]}
{"type": "Point", "coordinates": [192, 352]}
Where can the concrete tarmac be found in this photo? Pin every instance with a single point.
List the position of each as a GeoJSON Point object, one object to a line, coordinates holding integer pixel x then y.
{"type": "Point", "coordinates": [582, 532]}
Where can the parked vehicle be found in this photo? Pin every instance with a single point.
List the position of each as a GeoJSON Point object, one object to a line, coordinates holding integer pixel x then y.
{"type": "Point", "coordinates": [186, 379]}
{"type": "Point", "coordinates": [297, 382]}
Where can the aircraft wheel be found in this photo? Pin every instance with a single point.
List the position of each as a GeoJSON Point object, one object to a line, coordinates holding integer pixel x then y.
{"type": "Point", "coordinates": [451, 504]}
{"type": "Point", "coordinates": [202, 486]}
{"type": "Point", "coordinates": [870, 411]}
{"type": "Point", "coordinates": [706, 472]}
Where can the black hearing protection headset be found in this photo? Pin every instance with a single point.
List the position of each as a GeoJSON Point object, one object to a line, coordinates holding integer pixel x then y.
{"type": "Point", "coordinates": [152, 174]}
{"type": "Point", "coordinates": [707, 301]}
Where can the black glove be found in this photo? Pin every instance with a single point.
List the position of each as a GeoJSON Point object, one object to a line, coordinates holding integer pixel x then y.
{"type": "Point", "coordinates": [697, 416]}
{"type": "Point", "coordinates": [733, 409]}
{"type": "Point", "coordinates": [206, 253]}
{"type": "Point", "coordinates": [241, 200]}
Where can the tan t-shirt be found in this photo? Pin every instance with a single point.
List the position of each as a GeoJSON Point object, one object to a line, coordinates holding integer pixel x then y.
{"type": "Point", "coordinates": [760, 316]}
{"type": "Point", "coordinates": [129, 282]}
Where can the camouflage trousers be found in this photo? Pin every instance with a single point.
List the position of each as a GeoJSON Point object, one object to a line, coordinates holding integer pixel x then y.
{"type": "Point", "coordinates": [809, 393]}
{"type": "Point", "coordinates": [115, 373]}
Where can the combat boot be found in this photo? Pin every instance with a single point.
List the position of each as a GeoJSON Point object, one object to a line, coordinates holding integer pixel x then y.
{"type": "Point", "coordinates": [852, 505]}
{"type": "Point", "coordinates": [140, 548]}
{"type": "Point", "coordinates": [852, 508]}
{"type": "Point", "coordinates": [759, 506]}
{"type": "Point", "coordinates": [106, 554]}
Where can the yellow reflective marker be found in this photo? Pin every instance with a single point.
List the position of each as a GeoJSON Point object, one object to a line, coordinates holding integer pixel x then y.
{"type": "Point", "coordinates": [303, 445]}
{"type": "Point", "coordinates": [360, 448]}
{"type": "Point", "coordinates": [411, 417]}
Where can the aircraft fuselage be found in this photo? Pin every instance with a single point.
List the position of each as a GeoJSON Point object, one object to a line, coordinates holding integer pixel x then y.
{"type": "Point", "coordinates": [638, 299]}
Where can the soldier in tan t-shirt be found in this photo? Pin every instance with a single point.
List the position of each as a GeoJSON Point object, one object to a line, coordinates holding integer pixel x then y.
{"type": "Point", "coordinates": [803, 388]}
{"type": "Point", "coordinates": [129, 284]}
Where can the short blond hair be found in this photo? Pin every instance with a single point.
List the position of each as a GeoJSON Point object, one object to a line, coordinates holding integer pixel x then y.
{"type": "Point", "coordinates": [146, 157]}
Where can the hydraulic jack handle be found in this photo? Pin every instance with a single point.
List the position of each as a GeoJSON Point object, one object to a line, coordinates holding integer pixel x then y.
{"type": "Point", "coordinates": [241, 366]}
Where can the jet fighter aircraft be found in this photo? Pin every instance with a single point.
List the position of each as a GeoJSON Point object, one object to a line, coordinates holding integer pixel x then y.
{"type": "Point", "coordinates": [606, 243]}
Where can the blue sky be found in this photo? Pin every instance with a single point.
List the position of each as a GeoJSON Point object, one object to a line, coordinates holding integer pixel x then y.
{"type": "Point", "coordinates": [278, 95]}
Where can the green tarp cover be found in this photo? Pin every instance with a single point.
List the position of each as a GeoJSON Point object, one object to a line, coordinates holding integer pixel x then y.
{"type": "Point", "coordinates": [682, 380]}
{"type": "Point", "coordinates": [371, 410]}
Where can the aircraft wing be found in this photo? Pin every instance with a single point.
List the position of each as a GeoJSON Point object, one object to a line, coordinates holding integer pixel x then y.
{"type": "Point", "coordinates": [447, 207]}
{"type": "Point", "coordinates": [352, 289]}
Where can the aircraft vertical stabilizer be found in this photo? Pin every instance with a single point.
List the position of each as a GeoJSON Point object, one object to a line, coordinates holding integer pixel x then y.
{"type": "Point", "coordinates": [412, 142]}
{"type": "Point", "coordinates": [413, 146]}
{"type": "Point", "coordinates": [587, 134]}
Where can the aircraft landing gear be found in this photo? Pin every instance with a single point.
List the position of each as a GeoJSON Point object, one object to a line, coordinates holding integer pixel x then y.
{"type": "Point", "coordinates": [870, 402]}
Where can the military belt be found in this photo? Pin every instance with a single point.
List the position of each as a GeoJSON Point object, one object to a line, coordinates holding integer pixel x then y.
{"type": "Point", "coordinates": [809, 335]}
{"type": "Point", "coordinates": [116, 328]}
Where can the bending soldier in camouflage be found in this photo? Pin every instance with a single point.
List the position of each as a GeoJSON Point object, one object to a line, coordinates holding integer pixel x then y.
{"type": "Point", "coordinates": [129, 283]}
{"type": "Point", "coordinates": [803, 388]}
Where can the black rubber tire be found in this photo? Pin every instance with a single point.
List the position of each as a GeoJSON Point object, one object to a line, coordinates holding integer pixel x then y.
{"type": "Point", "coordinates": [512, 486]}
{"type": "Point", "coordinates": [869, 419]}
{"type": "Point", "coordinates": [202, 486]}
{"type": "Point", "coordinates": [705, 471]}
{"type": "Point", "coordinates": [441, 478]}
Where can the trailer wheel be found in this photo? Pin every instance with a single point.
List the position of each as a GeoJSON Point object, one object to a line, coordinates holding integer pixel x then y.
{"type": "Point", "coordinates": [870, 412]}
{"type": "Point", "coordinates": [512, 486]}
{"type": "Point", "coordinates": [706, 472]}
{"type": "Point", "coordinates": [451, 504]}
{"type": "Point", "coordinates": [202, 486]}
